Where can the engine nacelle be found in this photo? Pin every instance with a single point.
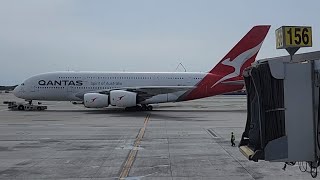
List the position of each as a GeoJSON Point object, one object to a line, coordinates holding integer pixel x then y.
{"type": "Point", "coordinates": [123, 98]}
{"type": "Point", "coordinates": [95, 100]}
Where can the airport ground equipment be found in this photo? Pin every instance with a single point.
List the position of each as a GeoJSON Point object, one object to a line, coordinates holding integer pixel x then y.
{"type": "Point", "coordinates": [283, 113]}
{"type": "Point", "coordinates": [24, 106]}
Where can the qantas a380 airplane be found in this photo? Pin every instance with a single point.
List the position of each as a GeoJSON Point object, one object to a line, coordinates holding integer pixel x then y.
{"type": "Point", "coordinates": [139, 89]}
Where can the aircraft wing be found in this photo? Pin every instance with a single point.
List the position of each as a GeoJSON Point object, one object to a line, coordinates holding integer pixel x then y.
{"type": "Point", "coordinates": [155, 90]}
{"type": "Point", "coordinates": [145, 92]}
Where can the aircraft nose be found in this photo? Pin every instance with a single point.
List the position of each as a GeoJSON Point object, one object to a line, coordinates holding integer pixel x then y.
{"type": "Point", "coordinates": [16, 91]}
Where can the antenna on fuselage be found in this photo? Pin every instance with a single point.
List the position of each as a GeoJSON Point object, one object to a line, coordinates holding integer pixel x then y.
{"type": "Point", "coordinates": [180, 64]}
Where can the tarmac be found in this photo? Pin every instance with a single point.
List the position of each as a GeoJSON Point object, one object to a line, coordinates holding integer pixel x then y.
{"type": "Point", "coordinates": [185, 140]}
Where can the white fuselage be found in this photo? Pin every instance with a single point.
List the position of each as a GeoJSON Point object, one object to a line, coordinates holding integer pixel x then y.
{"type": "Point", "coordinates": [71, 86]}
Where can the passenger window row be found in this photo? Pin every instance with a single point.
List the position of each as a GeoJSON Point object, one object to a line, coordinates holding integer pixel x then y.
{"type": "Point", "coordinates": [123, 77]}
{"type": "Point", "coordinates": [58, 87]}
{"type": "Point", "coordinates": [50, 87]}
{"type": "Point", "coordinates": [69, 77]}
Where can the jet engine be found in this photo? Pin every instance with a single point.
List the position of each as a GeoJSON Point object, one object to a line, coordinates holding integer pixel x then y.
{"type": "Point", "coordinates": [95, 100]}
{"type": "Point", "coordinates": [123, 98]}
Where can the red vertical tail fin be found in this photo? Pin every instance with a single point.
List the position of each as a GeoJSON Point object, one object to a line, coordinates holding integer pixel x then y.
{"type": "Point", "coordinates": [242, 55]}
{"type": "Point", "coordinates": [231, 67]}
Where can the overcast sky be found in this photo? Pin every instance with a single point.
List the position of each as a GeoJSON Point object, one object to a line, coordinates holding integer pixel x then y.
{"type": "Point", "coordinates": [38, 36]}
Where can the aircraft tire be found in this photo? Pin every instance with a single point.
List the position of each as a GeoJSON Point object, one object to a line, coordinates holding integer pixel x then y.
{"type": "Point", "coordinates": [144, 108]}
{"type": "Point", "coordinates": [21, 107]}
{"type": "Point", "coordinates": [149, 108]}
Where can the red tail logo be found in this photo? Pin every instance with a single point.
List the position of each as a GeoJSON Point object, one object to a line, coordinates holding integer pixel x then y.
{"type": "Point", "coordinates": [231, 67]}
{"type": "Point", "coordinates": [237, 63]}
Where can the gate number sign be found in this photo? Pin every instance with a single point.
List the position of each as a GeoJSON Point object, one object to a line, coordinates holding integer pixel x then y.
{"type": "Point", "coordinates": [293, 37]}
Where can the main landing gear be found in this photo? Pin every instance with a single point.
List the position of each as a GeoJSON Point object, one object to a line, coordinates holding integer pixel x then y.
{"type": "Point", "coordinates": [146, 107]}
{"type": "Point", "coordinates": [142, 107]}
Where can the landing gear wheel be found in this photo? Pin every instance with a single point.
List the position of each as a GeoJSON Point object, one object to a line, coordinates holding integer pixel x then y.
{"type": "Point", "coordinates": [21, 107]}
{"type": "Point", "coordinates": [149, 108]}
{"type": "Point", "coordinates": [138, 108]}
{"type": "Point", "coordinates": [144, 107]}
{"type": "Point", "coordinates": [133, 108]}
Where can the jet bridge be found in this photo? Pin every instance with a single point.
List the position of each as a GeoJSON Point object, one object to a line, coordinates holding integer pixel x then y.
{"type": "Point", "coordinates": [283, 111]}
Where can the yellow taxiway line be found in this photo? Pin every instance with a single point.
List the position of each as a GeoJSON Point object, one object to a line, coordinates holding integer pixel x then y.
{"type": "Point", "coordinates": [133, 153]}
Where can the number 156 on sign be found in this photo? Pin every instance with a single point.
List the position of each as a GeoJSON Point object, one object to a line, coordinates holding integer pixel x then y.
{"type": "Point", "coordinates": [293, 36]}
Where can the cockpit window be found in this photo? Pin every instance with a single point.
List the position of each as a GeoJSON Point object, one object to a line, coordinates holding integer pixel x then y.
{"type": "Point", "coordinates": [22, 84]}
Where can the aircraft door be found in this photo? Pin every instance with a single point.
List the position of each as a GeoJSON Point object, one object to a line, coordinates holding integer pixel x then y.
{"type": "Point", "coordinates": [189, 81]}
{"type": "Point", "coordinates": [71, 92]}
{"type": "Point", "coordinates": [33, 89]}
{"type": "Point", "coordinates": [70, 89]}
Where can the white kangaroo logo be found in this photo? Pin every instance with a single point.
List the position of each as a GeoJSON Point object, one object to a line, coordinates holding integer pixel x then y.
{"type": "Point", "coordinates": [238, 62]}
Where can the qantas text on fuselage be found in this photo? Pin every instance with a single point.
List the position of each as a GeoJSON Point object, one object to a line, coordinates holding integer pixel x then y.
{"type": "Point", "coordinates": [60, 83]}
